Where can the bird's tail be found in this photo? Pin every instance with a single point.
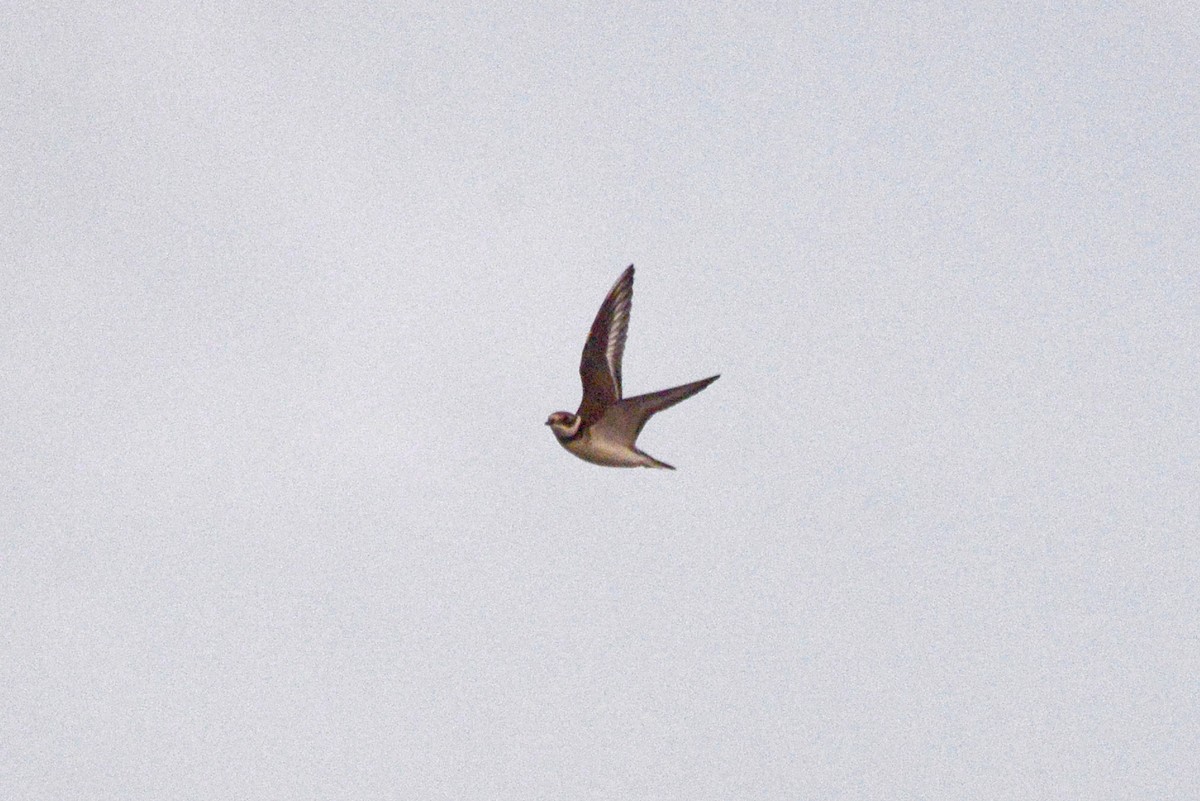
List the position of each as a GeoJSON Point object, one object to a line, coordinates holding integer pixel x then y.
{"type": "Point", "coordinates": [656, 462]}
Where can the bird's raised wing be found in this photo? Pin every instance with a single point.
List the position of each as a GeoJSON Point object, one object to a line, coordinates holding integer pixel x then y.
{"type": "Point", "coordinates": [600, 367]}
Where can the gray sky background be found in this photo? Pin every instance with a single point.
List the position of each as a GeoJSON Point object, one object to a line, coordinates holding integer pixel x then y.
{"type": "Point", "coordinates": [289, 290]}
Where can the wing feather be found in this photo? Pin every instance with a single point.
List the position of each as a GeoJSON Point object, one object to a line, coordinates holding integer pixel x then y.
{"type": "Point", "coordinates": [600, 367]}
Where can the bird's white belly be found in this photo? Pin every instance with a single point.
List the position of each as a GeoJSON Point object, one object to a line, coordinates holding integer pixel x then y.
{"type": "Point", "coordinates": [605, 452]}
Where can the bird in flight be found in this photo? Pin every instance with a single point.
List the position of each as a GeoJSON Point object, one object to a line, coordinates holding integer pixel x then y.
{"type": "Point", "coordinates": [605, 429]}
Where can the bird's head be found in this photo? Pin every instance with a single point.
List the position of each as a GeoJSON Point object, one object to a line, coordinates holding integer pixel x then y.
{"type": "Point", "coordinates": [564, 424]}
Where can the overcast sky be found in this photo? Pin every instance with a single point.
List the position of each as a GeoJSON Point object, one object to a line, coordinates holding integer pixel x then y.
{"type": "Point", "coordinates": [289, 291]}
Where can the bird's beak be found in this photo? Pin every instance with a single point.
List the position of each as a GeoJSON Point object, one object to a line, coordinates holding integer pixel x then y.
{"type": "Point", "coordinates": [546, 423]}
